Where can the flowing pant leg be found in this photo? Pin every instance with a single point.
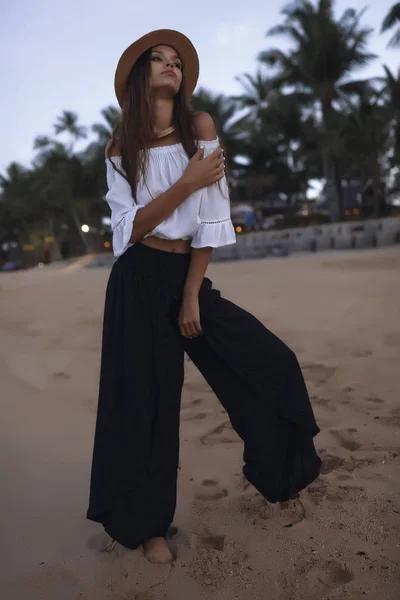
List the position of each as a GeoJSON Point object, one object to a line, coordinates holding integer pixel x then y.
{"type": "Point", "coordinates": [259, 382]}
{"type": "Point", "coordinates": [136, 447]}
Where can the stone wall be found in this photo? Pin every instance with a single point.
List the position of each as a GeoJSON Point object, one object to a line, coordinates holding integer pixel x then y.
{"type": "Point", "coordinates": [339, 236]}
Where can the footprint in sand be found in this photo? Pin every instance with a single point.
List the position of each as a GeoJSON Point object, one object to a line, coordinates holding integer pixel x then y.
{"type": "Point", "coordinates": [393, 419]}
{"type": "Point", "coordinates": [210, 490]}
{"type": "Point", "coordinates": [212, 541]}
{"type": "Point", "coordinates": [375, 400]}
{"type": "Point", "coordinates": [330, 462]}
{"type": "Point", "coordinates": [361, 353]}
{"type": "Point", "coordinates": [314, 579]}
{"type": "Point", "coordinates": [385, 452]}
{"type": "Point", "coordinates": [256, 508]}
{"type": "Point", "coordinates": [193, 417]}
{"type": "Point", "coordinates": [318, 374]}
{"type": "Point", "coordinates": [215, 559]}
{"type": "Point", "coordinates": [244, 483]}
{"type": "Point", "coordinates": [324, 489]}
{"type": "Point", "coordinates": [371, 455]}
{"type": "Point", "coordinates": [200, 388]}
{"type": "Point", "coordinates": [392, 340]}
{"type": "Point", "coordinates": [61, 375]}
{"type": "Point", "coordinates": [344, 477]}
{"type": "Point", "coordinates": [317, 490]}
{"type": "Point", "coordinates": [222, 434]}
{"type": "Point", "coordinates": [346, 493]}
{"type": "Point", "coordinates": [345, 440]}
{"type": "Point", "coordinates": [324, 403]}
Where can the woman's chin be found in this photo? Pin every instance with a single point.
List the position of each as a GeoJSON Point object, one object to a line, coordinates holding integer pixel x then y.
{"type": "Point", "coordinates": [166, 89]}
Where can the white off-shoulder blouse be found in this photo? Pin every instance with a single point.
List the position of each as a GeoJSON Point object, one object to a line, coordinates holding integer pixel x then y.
{"type": "Point", "coordinates": [204, 217]}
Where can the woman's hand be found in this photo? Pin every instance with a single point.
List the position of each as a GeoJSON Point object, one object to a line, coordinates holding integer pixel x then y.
{"type": "Point", "coordinates": [202, 172]}
{"type": "Point", "coordinates": [189, 317]}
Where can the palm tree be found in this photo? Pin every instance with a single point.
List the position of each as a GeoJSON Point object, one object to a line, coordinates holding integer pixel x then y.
{"type": "Point", "coordinates": [365, 134]}
{"type": "Point", "coordinates": [61, 175]}
{"type": "Point", "coordinates": [257, 90]}
{"type": "Point", "coordinates": [15, 208]}
{"type": "Point", "coordinates": [393, 88]}
{"type": "Point", "coordinates": [223, 110]}
{"type": "Point", "coordinates": [93, 155]}
{"type": "Point", "coordinates": [281, 119]}
{"type": "Point", "coordinates": [392, 19]}
{"type": "Point", "coordinates": [111, 116]}
{"type": "Point", "coordinates": [325, 52]}
{"type": "Point", "coordinates": [67, 122]}
{"type": "Point", "coordinates": [296, 136]}
{"type": "Point", "coordinates": [265, 164]}
{"type": "Point", "coordinates": [47, 201]}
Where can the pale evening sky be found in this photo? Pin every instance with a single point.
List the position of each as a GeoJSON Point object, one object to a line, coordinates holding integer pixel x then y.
{"type": "Point", "coordinates": [62, 55]}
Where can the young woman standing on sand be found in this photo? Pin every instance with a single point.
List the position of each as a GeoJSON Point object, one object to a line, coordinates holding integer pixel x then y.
{"type": "Point", "coordinates": [169, 203]}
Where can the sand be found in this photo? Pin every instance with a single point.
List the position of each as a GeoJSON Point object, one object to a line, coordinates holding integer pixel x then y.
{"type": "Point", "coordinates": [340, 312]}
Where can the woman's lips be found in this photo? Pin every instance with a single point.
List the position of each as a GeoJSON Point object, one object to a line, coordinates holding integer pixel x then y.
{"type": "Point", "coordinates": [172, 73]}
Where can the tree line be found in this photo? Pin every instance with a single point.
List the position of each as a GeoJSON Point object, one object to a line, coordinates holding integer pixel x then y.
{"type": "Point", "coordinates": [300, 116]}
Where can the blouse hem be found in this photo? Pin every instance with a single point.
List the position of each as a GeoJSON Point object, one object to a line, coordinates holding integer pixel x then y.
{"type": "Point", "coordinates": [214, 235]}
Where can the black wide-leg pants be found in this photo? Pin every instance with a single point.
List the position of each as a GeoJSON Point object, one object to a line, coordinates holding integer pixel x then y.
{"type": "Point", "coordinates": [255, 376]}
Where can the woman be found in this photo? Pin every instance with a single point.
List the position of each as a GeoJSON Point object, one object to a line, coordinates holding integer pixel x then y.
{"type": "Point", "coordinates": [169, 203]}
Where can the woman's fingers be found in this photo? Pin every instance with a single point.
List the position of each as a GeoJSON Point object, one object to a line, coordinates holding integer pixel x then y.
{"type": "Point", "coordinates": [193, 329]}
{"type": "Point", "coordinates": [197, 328]}
{"type": "Point", "coordinates": [190, 330]}
{"type": "Point", "coordinates": [216, 157]}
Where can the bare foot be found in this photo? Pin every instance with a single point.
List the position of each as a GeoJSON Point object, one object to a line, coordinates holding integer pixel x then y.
{"type": "Point", "coordinates": [157, 551]}
{"type": "Point", "coordinates": [290, 512]}
{"type": "Point", "coordinates": [110, 545]}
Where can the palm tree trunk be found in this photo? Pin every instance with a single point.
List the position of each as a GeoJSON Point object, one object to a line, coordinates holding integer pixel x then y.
{"type": "Point", "coordinates": [376, 186]}
{"type": "Point", "coordinates": [337, 175]}
{"type": "Point", "coordinates": [78, 225]}
{"type": "Point", "coordinates": [397, 139]}
{"type": "Point", "coordinates": [57, 251]}
{"type": "Point", "coordinates": [333, 184]}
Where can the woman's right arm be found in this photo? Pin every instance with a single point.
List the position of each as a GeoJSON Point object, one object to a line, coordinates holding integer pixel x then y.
{"type": "Point", "coordinates": [199, 173]}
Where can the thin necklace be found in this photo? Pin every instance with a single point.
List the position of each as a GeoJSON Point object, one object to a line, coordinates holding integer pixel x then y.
{"type": "Point", "coordinates": [164, 133]}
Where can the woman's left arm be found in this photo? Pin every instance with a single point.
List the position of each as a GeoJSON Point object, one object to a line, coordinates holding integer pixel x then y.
{"type": "Point", "coordinates": [189, 317]}
{"type": "Point", "coordinates": [215, 230]}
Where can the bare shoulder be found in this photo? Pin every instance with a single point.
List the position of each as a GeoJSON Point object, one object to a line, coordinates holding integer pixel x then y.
{"type": "Point", "coordinates": [204, 126]}
{"type": "Point", "coordinates": [112, 149]}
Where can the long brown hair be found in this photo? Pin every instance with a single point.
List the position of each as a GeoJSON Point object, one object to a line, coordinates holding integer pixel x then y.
{"type": "Point", "coordinates": [134, 132]}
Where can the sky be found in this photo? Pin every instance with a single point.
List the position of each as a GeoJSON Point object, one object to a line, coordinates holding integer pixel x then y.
{"type": "Point", "coordinates": [62, 55]}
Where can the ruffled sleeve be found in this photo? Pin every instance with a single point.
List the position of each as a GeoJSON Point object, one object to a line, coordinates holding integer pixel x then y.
{"type": "Point", "coordinates": [216, 228]}
{"type": "Point", "coordinates": [121, 203]}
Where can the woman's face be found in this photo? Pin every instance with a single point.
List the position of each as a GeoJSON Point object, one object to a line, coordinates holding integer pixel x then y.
{"type": "Point", "coordinates": [165, 69]}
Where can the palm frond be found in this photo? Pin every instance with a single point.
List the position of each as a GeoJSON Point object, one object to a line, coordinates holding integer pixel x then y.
{"type": "Point", "coordinates": [286, 29]}
{"type": "Point", "coordinates": [391, 18]}
{"type": "Point", "coordinates": [41, 142]}
{"type": "Point", "coordinates": [394, 41]}
{"type": "Point", "coordinates": [291, 70]}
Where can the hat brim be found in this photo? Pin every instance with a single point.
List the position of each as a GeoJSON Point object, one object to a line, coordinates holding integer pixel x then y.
{"type": "Point", "coordinates": [167, 37]}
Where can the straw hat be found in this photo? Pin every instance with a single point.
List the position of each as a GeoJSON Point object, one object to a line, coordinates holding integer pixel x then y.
{"type": "Point", "coordinates": [166, 37]}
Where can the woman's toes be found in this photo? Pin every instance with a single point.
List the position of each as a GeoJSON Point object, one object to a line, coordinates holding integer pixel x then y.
{"type": "Point", "coordinates": [157, 551]}
{"type": "Point", "coordinates": [290, 512]}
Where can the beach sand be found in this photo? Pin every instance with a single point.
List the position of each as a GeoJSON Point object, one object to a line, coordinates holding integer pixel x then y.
{"type": "Point", "coordinates": [340, 312]}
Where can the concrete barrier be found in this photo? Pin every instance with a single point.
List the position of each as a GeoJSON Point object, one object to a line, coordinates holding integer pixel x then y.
{"type": "Point", "coordinates": [336, 236]}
